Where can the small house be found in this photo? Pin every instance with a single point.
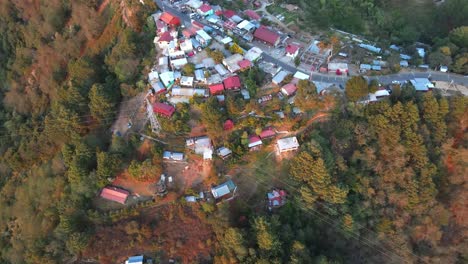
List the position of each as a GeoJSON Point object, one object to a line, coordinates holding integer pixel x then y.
{"type": "Point", "coordinates": [200, 75]}
{"type": "Point", "coordinates": [174, 156]}
{"type": "Point", "coordinates": [279, 77]}
{"type": "Point", "coordinates": [232, 83]}
{"type": "Point", "coordinates": [186, 81]}
{"type": "Point", "coordinates": [289, 89]}
{"type": "Point", "coordinates": [178, 63]}
{"type": "Point", "coordinates": [224, 152]}
{"type": "Point", "coordinates": [276, 198]}
{"type": "Point", "coordinates": [203, 38]}
{"type": "Point", "coordinates": [221, 70]}
{"type": "Point", "coordinates": [170, 19]}
{"type": "Point", "coordinates": [205, 10]}
{"type": "Point", "coordinates": [246, 25]}
{"type": "Point", "coordinates": [422, 84]}
{"type": "Point", "coordinates": [254, 54]}
{"type": "Point", "coordinates": [186, 45]}
{"type": "Point", "coordinates": [135, 260]}
{"type": "Point", "coordinates": [267, 36]}
{"type": "Point", "coordinates": [365, 67]}
{"type": "Point", "coordinates": [232, 61]}
{"type": "Point", "coordinates": [115, 194]}
{"type": "Point", "coordinates": [245, 94]}
{"type": "Point", "coordinates": [404, 64]}
{"type": "Point", "coordinates": [167, 78]}
{"type": "Point", "coordinates": [200, 145]}
{"type": "Point", "coordinates": [267, 133]}
{"type": "Point", "coordinates": [301, 76]}
{"type": "Point", "coordinates": [287, 144]}
{"type": "Point", "coordinates": [225, 191]}
{"type": "Point", "coordinates": [370, 48]}
{"type": "Point", "coordinates": [292, 50]}
{"type": "Point", "coordinates": [244, 65]}
{"type": "Point", "coordinates": [216, 88]}
{"type": "Point", "coordinates": [163, 109]}
{"type": "Point", "coordinates": [255, 143]}
{"type": "Point", "coordinates": [164, 40]}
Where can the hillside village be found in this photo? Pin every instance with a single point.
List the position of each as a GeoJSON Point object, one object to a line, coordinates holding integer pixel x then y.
{"type": "Point", "coordinates": [214, 101]}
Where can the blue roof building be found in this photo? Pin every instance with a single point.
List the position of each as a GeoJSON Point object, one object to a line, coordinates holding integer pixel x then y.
{"type": "Point", "coordinates": [135, 260]}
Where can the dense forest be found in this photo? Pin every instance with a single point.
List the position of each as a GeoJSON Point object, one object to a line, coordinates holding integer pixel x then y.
{"type": "Point", "coordinates": [383, 182]}
{"type": "Point", "coordinates": [440, 24]}
{"type": "Point", "coordinates": [64, 67]}
{"type": "Point", "coordinates": [393, 171]}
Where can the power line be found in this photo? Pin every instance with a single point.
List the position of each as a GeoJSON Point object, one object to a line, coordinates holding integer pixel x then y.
{"type": "Point", "coordinates": [293, 188]}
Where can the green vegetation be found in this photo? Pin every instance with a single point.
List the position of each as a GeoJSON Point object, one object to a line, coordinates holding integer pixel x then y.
{"type": "Point", "coordinates": [64, 69]}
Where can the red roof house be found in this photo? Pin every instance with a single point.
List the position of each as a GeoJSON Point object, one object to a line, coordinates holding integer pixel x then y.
{"type": "Point", "coordinates": [163, 109]}
{"type": "Point", "coordinates": [115, 194]}
{"type": "Point", "coordinates": [165, 37]}
{"type": "Point", "coordinates": [244, 64]}
{"type": "Point", "coordinates": [228, 125]}
{"type": "Point", "coordinates": [229, 13]}
{"type": "Point", "coordinates": [232, 82]}
{"type": "Point", "coordinates": [170, 19]}
{"type": "Point", "coordinates": [289, 89]}
{"type": "Point", "coordinates": [266, 35]}
{"type": "Point", "coordinates": [254, 143]}
{"type": "Point", "coordinates": [205, 8]}
{"type": "Point", "coordinates": [292, 50]}
{"type": "Point", "coordinates": [252, 14]}
{"type": "Point", "coordinates": [216, 88]}
{"type": "Point", "coordinates": [267, 133]}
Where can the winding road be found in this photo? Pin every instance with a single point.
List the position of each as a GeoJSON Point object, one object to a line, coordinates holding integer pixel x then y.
{"type": "Point", "coordinates": [331, 78]}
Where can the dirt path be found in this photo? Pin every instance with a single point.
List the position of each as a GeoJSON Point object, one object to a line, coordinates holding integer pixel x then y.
{"type": "Point", "coordinates": [312, 120]}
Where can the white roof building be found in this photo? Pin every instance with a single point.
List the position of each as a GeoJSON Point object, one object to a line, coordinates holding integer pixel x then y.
{"type": "Point", "coordinates": [246, 25]}
{"type": "Point", "coordinates": [186, 45]}
{"type": "Point", "coordinates": [167, 78]}
{"type": "Point", "coordinates": [195, 4]}
{"type": "Point", "coordinates": [226, 40]}
{"type": "Point", "coordinates": [189, 92]}
{"type": "Point", "coordinates": [287, 144]}
{"type": "Point", "coordinates": [153, 75]}
{"type": "Point", "coordinates": [253, 54]}
{"type": "Point", "coordinates": [301, 76]}
{"type": "Point", "coordinates": [179, 63]}
{"type": "Point", "coordinates": [186, 81]}
{"type": "Point", "coordinates": [224, 152]}
{"type": "Point", "coordinates": [201, 146]}
{"type": "Point", "coordinates": [221, 70]}
{"type": "Point", "coordinates": [176, 156]}
{"type": "Point", "coordinates": [374, 97]}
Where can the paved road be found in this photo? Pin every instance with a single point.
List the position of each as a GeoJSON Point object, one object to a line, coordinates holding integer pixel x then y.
{"type": "Point", "coordinates": [331, 78]}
